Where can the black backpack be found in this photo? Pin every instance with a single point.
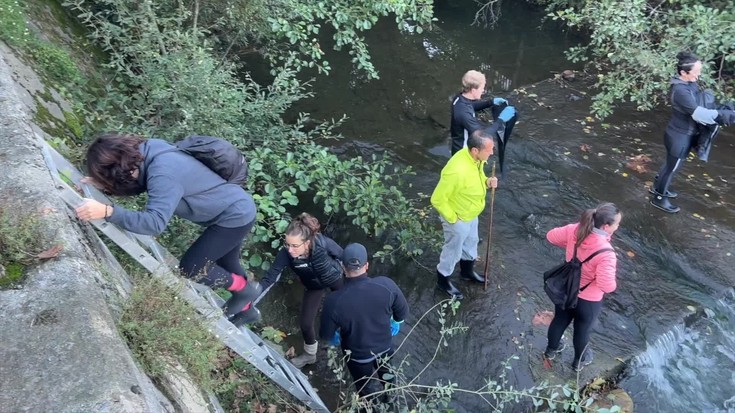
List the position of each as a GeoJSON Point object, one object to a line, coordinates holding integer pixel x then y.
{"type": "Point", "coordinates": [219, 155]}
{"type": "Point", "coordinates": [561, 283]}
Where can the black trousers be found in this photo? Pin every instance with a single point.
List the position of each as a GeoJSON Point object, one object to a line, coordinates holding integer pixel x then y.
{"type": "Point", "coordinates": [584, 317]}
{"type": "Point", "coordinates": [666, 174]}
{"type": "Point", "coordinates": [309, 307]}
{"type": "Point", "coordinates": [215, 255]}
{"type": "Point", "coordinates": [371, 377]}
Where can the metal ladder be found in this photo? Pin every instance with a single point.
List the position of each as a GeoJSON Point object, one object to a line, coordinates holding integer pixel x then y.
{"type": "Point", "coordinates": [156, 259]}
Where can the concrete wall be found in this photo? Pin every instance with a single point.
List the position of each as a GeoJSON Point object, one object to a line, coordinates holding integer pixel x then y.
{"type": "Point", "coordinates": [59, 348]}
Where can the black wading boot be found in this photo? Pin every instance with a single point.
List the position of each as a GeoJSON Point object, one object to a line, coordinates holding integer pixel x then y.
{"type": "Point", "coordinates": [443, 284]}
{"type": "Point", "coordinates": [669, 194]}
{"type": "Point", "coordinates": [662, 203]}
{"type": "Point", "coordinates": [466, 271]}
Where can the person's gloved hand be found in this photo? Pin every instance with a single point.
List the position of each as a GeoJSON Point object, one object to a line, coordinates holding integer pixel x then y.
{"type": "Point", "coordinates": [395, 326]}
{"type": "Point", "coordinates": [336, 340]}
{"type": "Point", "coordinates": [507, 113]}
{"type": "Point", "coordinates": [499, 101]}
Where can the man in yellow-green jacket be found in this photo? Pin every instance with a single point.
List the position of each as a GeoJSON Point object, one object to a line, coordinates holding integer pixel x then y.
{"type": "Point", "coordinates": [459, 197]}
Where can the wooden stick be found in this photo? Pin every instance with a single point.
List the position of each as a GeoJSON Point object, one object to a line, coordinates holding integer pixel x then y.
{"type": "Point", "coordinates": [490, 229]}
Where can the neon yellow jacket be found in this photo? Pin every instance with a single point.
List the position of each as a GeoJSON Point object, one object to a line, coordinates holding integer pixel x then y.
{"type": "Point", "coordinates": [460, 193]}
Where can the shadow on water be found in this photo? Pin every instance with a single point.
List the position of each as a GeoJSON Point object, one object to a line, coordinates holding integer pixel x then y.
{"type": "Point", "coordinates": [559, 163]}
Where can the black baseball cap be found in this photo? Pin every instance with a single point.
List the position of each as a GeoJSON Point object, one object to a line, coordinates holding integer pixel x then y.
{"type": "Point", "coordinates": [354, 256]}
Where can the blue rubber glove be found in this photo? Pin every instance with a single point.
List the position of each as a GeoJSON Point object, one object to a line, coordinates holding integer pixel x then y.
{"type": "Point", "coordinates": [499, 101]}
{"type": "Point", "coordinates": [395, 326]}
{"type": "Point", "coordinates": [336, 340]}
{"type": "Point", "coordinates": [507, 113]}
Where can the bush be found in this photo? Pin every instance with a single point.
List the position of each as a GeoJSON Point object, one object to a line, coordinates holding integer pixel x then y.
{"type": "Point", "coordinates": [166, 82]}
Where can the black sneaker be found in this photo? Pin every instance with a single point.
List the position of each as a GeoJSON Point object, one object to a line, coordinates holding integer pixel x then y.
{"type": "Point", "coordinates": [550, 354]}
{"type": "Point", "coordinates": [587, 357]}
{"type": "Point", "coordinates": [669, 194]}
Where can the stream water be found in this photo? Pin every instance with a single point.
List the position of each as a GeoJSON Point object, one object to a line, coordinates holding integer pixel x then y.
{"type": "Point", "coordinates": [558, 163]}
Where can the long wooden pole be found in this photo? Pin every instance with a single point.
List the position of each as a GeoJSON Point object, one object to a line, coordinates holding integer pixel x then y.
{"type": "Point", "coordinates": [490, 230]}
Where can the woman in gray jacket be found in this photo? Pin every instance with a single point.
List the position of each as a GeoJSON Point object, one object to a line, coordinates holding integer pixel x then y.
{"type": "Point", "coordinates": [178, 184]}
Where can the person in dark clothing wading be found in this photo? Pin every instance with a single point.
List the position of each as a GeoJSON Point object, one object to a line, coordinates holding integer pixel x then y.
{"type": "Point", "coordinates": [591, 234]}
{"type": "Point", "coordinates": [314, 258]}
{"type": "Point", "coordinates": [177, 184]}
{"type": "Point", "coordinates": [365, 314]}
{"type": "Point", "coordinates": [689, 119]}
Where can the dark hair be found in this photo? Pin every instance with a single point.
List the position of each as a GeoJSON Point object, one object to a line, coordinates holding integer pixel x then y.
{"type": "Point", "coordinates": [306, 226]}
{"type": "Point", "coordinates": [111, 160]}
{"type": "Point", "coordinates": [477, 139]}
{"type": "Point", "coordinates": [685, 62]}
{"type": "Point", "coordinates": [604, 214]}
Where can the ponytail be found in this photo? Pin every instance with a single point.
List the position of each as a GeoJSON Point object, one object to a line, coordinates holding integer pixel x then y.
{"type": "Point", "coordinates": [586, 223]}
{"type": "Point", "coordinates": [305, 226]}
{"type": "Point", "coordinates": [604, 214]}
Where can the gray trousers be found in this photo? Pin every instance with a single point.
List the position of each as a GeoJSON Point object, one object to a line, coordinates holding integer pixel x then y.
{"type": "Point", "coordinates": [460, 243]}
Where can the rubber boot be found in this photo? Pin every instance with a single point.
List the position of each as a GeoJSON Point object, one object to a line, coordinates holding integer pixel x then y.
{"type": "Point", "coordinates": [249, 316]}
{"type": "Point", "coordinates": [669, 194]}
{"type": "Point", "coordinates": [466, 271]}
{"type": "Point", "coordinates": [241, 298]}
{"type": "Point", "coordinates": [444, 284]}
{"type": "Point", "coordinates": [662, 203]}
{"type": "Point", "coordinates": [309, 356]}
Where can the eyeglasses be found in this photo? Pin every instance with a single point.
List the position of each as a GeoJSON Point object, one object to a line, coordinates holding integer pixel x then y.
{"type": "Point", "coordinates": [292, 246]}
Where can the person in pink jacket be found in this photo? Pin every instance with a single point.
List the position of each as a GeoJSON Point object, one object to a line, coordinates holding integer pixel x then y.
{"type": "Point", "coordinates": [591, 234]}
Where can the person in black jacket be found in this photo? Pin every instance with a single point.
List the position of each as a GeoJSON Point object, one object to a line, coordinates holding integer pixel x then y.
{"type": "Point", "coordinates": [465, 106]}
{"type": "Point", "coordinates": [689, 118]}
{"type": "Point", "coordinates": [315, 260]}
{"type": "Point", "coordinates": [365, 314]}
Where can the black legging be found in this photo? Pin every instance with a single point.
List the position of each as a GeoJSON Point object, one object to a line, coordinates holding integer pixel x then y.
{"type": "Point", "coordinates": [309, 307]}
{"type": "Point", "coordinates": [666, 174]}
{"type": "Point", "coordinates": [584, 317]}
{"type": "Point", "coordinates": [216, 251]}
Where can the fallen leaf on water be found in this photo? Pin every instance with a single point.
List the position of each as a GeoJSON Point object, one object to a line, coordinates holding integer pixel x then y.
{"type": "Point", "coordinates": [542, 318]}
{"type": "Point", "coordinates": [584, 147]}
{"type": "Point", "coordinates": [619, 359]}
{"type": "Point", "coordinates": [625, 174]}
{"type": "Point", "coordinates": [596, 383]}
{"type": "Point", "coordinates": [638, 163]}
{"type": "Point", "coordinates": [691, 308]}
{"type": "Point", "coordinates": [631, 254]}
{"type": "Point", "coordinates": [290, 353]}
{"type": "Point", "coordinates": [589, 119]}
{"type": "Point", "coordinates": [52, 252]}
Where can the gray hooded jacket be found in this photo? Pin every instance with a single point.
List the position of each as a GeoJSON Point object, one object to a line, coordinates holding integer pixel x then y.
{"type": "Point", "coordinates": [178, 184]}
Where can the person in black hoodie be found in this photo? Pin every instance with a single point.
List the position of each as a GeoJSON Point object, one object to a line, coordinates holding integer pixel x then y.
{"type": "Point", "coordinates": [314, 258]}
{"type": "Point", "coordinates": [177, 184]}
{"type": "Point", "coordinates": [689, 119]}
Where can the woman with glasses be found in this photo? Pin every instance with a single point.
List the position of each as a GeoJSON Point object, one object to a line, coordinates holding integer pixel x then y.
{"type": "Point", "coordinates": [315, 259]}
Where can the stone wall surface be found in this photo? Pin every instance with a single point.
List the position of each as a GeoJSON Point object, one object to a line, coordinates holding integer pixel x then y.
{"type": "Point", "coordinates": [60, 350]}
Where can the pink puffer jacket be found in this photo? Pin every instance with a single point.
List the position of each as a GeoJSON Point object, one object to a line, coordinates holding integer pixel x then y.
{"type": "Point", "coordinates": [599, 272]}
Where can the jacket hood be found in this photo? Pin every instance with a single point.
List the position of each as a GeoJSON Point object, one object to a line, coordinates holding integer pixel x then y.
{"type": "Point", "coordinates": [150, 148]}
{"type": "Point", "coordinates": [676, 81]}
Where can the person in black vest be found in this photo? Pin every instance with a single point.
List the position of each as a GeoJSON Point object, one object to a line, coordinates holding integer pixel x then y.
{"type": "Point", "coordinates": [689, 118]}
{"type": "Point", "coordinates": [177, 184]}
{"type": "Point", "coordinates": [314, 258]}
{"type": "Point", "coordinates": [365, 314]}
